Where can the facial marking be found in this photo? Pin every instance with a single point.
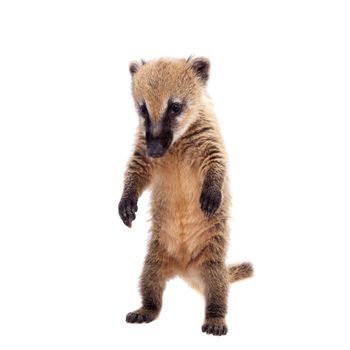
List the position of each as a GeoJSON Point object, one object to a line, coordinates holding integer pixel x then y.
{"type": "Point", "coordinates": [167, 89]}
{"type": "Point", "coordinates": [156, 128]}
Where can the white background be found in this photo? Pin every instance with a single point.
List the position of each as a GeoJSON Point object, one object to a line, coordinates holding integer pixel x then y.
{"type": "Point", "coordinates": [280, 82]}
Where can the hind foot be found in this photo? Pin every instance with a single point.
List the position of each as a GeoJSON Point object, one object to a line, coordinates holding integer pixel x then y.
{"type": "Point", "coordinates": [215, 326]}
{"type": "Point", "coordinates": [141, 315]}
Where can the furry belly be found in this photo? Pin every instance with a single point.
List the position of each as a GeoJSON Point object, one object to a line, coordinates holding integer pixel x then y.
{"type": "Point", "coordinates": [181, 225]}
{"type": "Point", "coordinates": [177, 219]}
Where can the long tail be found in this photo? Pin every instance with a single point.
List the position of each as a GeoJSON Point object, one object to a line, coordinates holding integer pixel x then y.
{"type": "Point", "coordinates": [241, 271]}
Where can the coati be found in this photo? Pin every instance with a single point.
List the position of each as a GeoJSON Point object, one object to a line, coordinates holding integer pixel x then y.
{"type": "Point", "coordinates": [179, 154]}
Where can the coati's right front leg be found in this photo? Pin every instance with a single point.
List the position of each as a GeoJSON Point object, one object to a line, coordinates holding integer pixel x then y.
{"type": "Point", "coordinates": [152, 284]}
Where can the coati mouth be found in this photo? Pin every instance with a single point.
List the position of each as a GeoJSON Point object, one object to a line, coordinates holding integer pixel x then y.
{"type": "Point", "coordinates": [157, 147]}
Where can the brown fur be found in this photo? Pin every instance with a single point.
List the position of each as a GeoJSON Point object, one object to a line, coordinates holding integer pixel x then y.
{"type": "Point", "coordinates": [190, 193]}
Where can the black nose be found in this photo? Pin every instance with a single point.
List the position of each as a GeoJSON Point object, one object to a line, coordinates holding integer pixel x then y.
{"type": "Point", "coordinates": [155, 149]}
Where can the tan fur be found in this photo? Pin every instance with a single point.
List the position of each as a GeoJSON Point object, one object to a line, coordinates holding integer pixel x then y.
{"type": "Point", "coordinates": [184, 241]}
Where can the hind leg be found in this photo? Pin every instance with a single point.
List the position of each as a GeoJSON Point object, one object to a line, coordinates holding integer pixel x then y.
{"type": "Point", "coordinates": [215, 279]}
{"type": "Point", "coordinates": [216, 289]}
{"type": "Point", "coordinates": [152, 284]}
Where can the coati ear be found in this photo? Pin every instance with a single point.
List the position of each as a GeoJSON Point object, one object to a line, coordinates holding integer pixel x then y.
{"type": "Point", "coordinates": [134, 66]}
{"type": "Point", "coordinates": [200, 66]}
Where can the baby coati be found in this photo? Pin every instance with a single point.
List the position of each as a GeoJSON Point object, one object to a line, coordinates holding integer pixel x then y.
{"type": "Point", "coordinates": [179, 154]}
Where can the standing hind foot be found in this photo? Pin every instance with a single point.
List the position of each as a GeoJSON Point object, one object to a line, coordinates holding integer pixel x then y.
{"type": "Point", "coordinates": [214, 275]}
{"type": "Point", "coordinates": [152, 284]}
{"type": "Point", "coordinates": [141, 315]}
{"type": "Point", "coordinates": [215, 326]}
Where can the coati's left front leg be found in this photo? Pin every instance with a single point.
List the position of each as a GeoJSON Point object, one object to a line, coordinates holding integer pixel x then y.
{"type": "Point", "coordinates": [211, 195]}
{"type": "Point", "coordinates": [213, 171]}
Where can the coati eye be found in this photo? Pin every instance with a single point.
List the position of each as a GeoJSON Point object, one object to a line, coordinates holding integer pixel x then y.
{"type": "Point", "coordinates": [143, 110]}
{"type": "Point", "coordinates": [175, 108]}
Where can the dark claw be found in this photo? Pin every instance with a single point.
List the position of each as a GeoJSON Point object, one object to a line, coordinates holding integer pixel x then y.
{"type": "Point", "coordinates": [131, 317]}
{"type": "Point", "coordinates": [210, 200]}
{"type": "Point", "coordinates": [127, 209]}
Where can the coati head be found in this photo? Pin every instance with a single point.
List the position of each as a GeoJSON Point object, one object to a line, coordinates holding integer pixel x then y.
{"type": "Point", "coordinates": [167, 93]}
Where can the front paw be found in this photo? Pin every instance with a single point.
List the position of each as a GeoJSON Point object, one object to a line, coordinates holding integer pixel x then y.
{"type": "Point", "coordinates": [127, 208]}
{"type": "Point", "coordinates": [210, 200]}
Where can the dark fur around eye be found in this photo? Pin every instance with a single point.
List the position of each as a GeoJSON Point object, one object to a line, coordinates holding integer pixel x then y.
{"type": "Point", "coordinates": [144, 111]}
{"type": "Point", "coordinates": [175, 108]}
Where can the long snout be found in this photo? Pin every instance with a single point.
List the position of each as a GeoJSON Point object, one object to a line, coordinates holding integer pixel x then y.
{"type": "Point", "coordinates": [155, 148]}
